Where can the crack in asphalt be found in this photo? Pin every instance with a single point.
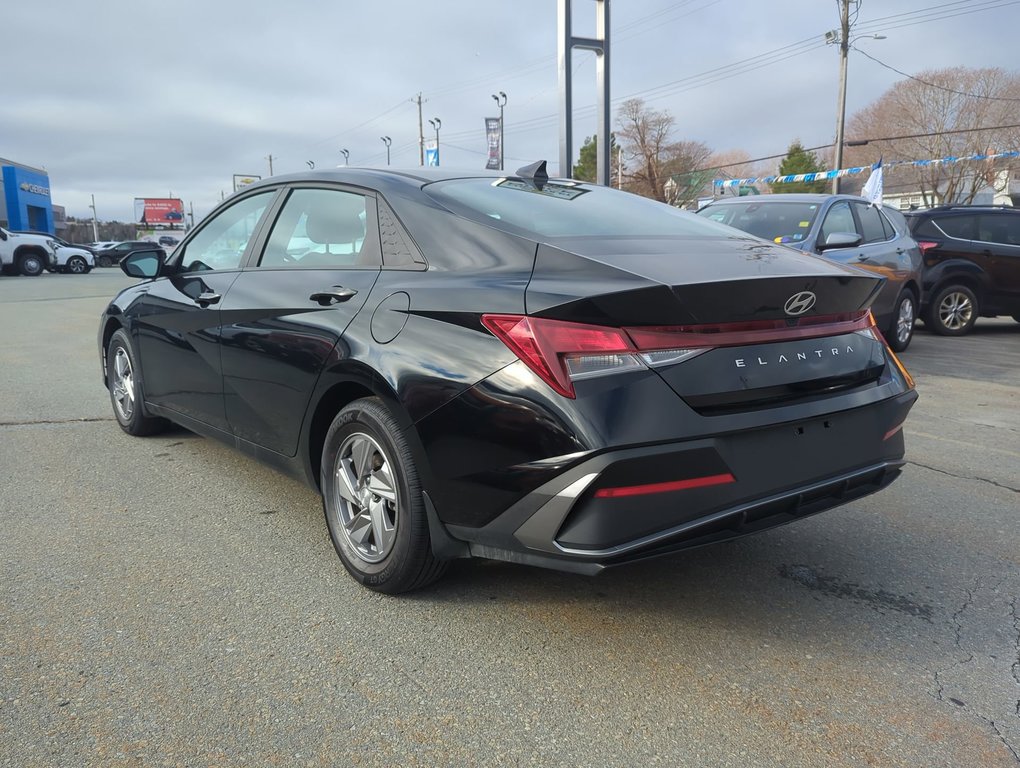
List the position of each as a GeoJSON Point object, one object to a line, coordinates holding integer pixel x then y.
{"type": "Point", "coordinates": [51, 422]}
{"type": "Point", "coordinates": [940, 686]}
{"type": "Point", "coordinates": [965, 477]}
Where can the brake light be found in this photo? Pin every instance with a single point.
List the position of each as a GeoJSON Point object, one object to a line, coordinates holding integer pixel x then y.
{"type": "Point", "coordinates": [545, 346]}
{"type": "Point", "coordinates": [562, 352]}
{"type": "Point", "coordinates": [927, 245]}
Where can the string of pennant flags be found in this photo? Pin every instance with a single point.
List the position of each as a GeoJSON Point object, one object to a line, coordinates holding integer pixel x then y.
{"type": "Point", "coordinates": [824, 175]}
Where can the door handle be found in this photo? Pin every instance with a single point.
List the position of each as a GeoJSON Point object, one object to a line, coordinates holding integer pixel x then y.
{"type": "Point", "coordinates": [335, 295]}
{"type": "Point", "coordinates": [862, 257]}
{"type": "Point", "coordinates": [207, 298]}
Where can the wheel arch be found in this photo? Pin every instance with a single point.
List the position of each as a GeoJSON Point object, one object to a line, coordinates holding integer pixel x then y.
{"type": "Point", "coordinates": [957, 272]}
{"type": "Point", "coordinates": [339, 388]}
{"type": "Point", "coordinates": [111, 326]}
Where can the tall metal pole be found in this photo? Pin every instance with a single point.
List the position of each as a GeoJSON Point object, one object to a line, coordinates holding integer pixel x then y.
{"type": "Point", "coordinates": [844, 50]}
{"type": "Point", "coordinates": [600, 45]}
{"type": "Point", "coordinates": [387, 141]}
{"type": "Point", "coordinates": [347, 157]}
{"type": "Point", "coordinates": [500, 102]}
{"type": "Point", "coordinates": [436, 123]}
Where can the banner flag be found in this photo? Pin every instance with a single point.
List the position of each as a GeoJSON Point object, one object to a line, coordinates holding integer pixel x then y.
{"type": "Point", "coordinates": [492, 140]}
{"type": "Point", "coordinates": [872, 191]}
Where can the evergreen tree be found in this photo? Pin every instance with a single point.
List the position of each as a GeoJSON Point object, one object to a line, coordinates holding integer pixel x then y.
{"type": "Point", "coordinates": [587, 160]}
{"type": "Point", "coordinates": [798, 160]}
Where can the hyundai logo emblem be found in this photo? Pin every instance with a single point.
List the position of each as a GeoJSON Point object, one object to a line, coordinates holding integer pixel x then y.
{"type": "Point", "coordinates": [799, 303]}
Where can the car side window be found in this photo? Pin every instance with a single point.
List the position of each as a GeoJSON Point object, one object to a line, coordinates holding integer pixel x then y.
{"type": "Point", "coordinates": [323, 229]}
{"type": "Point", "coordinates": [963, 227]}
{"type": "Point", "coordinates": [838, 219]}
{"type": "Point", "coordinates": [222, 241]}
{"type": "Point", "coordinates": [871, 223]}
{"type": "Point", "coordinates": [993, 228]}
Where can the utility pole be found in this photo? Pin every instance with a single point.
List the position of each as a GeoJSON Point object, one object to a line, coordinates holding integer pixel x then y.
{"type": "Point", "coordinates": [191, 213]}
{"type": "Point", "coordinates": [95, 226]}
{"type": "Point", "coordinates": [421, 130]}
{"type": "Point", "coordinates": [844, 50]}
{"type": "Point", "coordinates": [270, 158]}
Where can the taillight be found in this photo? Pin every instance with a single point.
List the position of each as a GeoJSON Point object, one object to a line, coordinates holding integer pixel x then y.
{"type": "Point", "coordinates": [927, 245]}
{"type": "Point", "coordinates": [562, 352]}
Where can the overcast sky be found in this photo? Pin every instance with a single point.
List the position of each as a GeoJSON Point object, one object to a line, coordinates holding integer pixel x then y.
{"type": "Point", "coordinates": [143, 99]}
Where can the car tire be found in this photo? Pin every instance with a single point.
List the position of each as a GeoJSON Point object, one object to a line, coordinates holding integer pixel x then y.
{"type": "Point", "coordinates": [76, 265]}
{"type": "Point", "coordinates": [901, 328]}
{"type": "Point", "coordinates": [953, 311]}
{"type": "Point", "coordinates": [373, 501]}
{"type": "Point", "coordinates": [31, 265]}
{"type": "Point", "coordinates": [103, 261]}
{"type": "Point", "coordinates": [123, 378]}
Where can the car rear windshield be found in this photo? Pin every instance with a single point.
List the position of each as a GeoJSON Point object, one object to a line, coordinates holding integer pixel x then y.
{"type": "Point", "coordinates": [567, 209]}
{"type": "Point", "coordinates": [781, 222]}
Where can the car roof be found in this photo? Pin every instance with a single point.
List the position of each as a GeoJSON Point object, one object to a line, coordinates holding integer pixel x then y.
{"type": "Point", "coordinates": [381, 177]}
{"type": "Point", "coordinates": [783, 197]}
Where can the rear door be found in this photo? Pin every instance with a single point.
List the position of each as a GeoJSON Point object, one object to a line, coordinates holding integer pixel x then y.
{"type": "Point", "coordinates": [999, 244]}
{"type": "Point", "coordinates": [285, 314]}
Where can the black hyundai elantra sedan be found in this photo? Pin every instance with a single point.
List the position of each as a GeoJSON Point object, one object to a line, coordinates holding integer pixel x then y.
{"type": "Point", "coordinates": [510, 366]}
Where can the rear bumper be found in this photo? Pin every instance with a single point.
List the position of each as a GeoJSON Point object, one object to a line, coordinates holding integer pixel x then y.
{"type": "Point", "coordinates": [627, 505]}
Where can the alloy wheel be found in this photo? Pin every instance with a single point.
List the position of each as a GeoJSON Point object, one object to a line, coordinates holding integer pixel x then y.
{"type": "Point", "coordinates": [123, 386]}
{"type": "Point", "coordinates": [955, 310]}
{"type": "Point", "coordinates": [905, 321]}
{"type": "Point", "coordinates": [366, 497]}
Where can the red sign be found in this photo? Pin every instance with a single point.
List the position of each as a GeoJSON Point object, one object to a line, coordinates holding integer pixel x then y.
{"type": "Point", "coordinates": [159, 212]}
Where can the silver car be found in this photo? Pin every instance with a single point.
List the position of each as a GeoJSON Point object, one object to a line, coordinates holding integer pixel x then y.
{"type": "Point", "coordinates": [845, 229]}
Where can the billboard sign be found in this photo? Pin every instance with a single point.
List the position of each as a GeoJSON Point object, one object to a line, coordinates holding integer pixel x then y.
{"type": "Point", "coordinates": [159, 212]}
{"type": "Point", "coordinates": [244, 179]}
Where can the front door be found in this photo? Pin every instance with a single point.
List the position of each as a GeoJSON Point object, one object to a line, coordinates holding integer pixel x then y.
{"type": "Point", "coordinates": [176, 323]}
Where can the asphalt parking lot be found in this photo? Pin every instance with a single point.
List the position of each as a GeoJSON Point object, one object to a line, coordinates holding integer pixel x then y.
{"type": "Point", "coordinates": [167, 601]}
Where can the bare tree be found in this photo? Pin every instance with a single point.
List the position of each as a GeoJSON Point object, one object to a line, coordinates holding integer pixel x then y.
{"type": "Point", "coordinates": [947, 113]}
{"type": "Point", "coordinates": [645, 136]}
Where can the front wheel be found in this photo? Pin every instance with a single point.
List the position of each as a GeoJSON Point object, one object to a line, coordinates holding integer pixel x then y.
{"type": "Point", "coordinates": [122, 378]}
{"type": "Point", "coordinates": [901, 330]}
{"type": "Point", "coordinates": [953, 311]}
{"type": "Point", "coordinates": [76, 265]}
{"type": "Point", "coordinates": [30, 265]}
{"type": "Point", "coordinates": [372, 499]}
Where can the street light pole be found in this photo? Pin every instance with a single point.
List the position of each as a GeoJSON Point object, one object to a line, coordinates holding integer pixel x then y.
{"type": "Point", "coordinates": [387, 141]}
{"type": "Point", "coordinates": [501, 102]}
{"type": "Point", "coordinates": [95, 226]}
{"type": "Point", "coordinates": [347, 157]}
{"type": "Point", "coordinates": [436, 124]}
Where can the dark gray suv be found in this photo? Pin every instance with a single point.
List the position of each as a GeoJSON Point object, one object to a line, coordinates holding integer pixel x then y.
{"type": "Point", "coordinates": [845, 229]}
{"type": "Point", "coordinates": [971, 265]}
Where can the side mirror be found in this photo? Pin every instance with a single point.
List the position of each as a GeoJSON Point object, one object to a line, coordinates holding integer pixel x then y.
{"type": "Point", "coordinates": [143, 264]}
{"type": "Point", "coordinates": [841, 240]}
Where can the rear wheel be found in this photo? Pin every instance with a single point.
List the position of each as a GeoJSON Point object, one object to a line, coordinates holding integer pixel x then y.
{"type": "Point", "coordinates": [901, 330]}
{"type": "Point", "coordinates": [123, 380]}
{"type": "Point", "coordinates": [104, 261]}
{"type": "Point", "coordinates": [953, 311]}
{"type": "Point", "coordinates": [373, 502]}
{"type": "Point", "coordinates": [31, 265]}
{"type": "Point", "coordinates": [76, 265]}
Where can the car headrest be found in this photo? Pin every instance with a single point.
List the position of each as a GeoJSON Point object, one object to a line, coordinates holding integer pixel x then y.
{"type": "Point", "coordinates": [334, 225]}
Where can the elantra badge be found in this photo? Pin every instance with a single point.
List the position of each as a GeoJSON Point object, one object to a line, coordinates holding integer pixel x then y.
{"type": "Point", "coordinates": [799, 303]}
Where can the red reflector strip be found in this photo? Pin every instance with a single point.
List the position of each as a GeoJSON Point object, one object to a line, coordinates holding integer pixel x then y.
{"type": "Point", "coordinates": [674, 485]}
{"type": "Point", "coordinates": [893, 431]}
{"type": "Point", "coordinates": [753, 332]}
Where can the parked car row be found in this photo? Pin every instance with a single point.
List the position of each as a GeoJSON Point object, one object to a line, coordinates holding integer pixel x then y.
{"type": "Point", "coordinates": [948, 265]}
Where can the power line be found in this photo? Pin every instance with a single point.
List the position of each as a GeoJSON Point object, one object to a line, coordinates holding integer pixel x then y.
{"type": "Point", "coordinates": [934, 85]}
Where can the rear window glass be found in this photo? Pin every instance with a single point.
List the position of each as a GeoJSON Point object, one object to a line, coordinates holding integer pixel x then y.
{"type": "Point", "coordinates": [567, 209]}
{"type": "Point", "coordinates": [781, 222]}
